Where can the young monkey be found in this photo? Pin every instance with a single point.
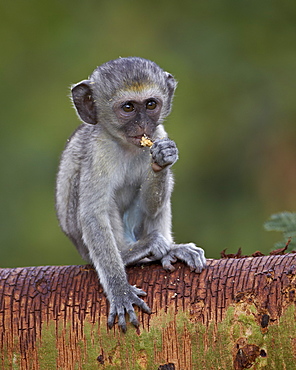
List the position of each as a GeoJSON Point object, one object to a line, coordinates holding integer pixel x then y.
{"type": "Point", "coordinates": [114, 182]}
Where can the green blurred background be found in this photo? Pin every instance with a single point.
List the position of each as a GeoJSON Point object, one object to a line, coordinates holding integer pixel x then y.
{"type": "Point", "coordinates": [233, 118]}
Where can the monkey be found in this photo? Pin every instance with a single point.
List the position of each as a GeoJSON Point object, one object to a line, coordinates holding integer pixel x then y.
{"type": "Point", "coordinates": [113, 194]}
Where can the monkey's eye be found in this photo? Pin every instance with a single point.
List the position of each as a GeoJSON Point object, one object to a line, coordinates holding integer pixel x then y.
{"type": "Point", "coordinates": [151, 104]}
{"type": "Point", "coordinates": [128, 107]}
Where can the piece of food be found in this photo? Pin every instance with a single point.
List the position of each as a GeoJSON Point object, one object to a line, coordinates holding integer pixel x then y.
{"type": "Point", "coordinates": [145, 141]}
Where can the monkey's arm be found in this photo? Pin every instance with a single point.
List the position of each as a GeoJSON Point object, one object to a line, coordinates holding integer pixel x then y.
{"type": "Point", "coordinates": [157, 202]}
{"type": "Point", "coordinates": [99, 236]}
{"type": "Point", "coordinates": [157, 188]}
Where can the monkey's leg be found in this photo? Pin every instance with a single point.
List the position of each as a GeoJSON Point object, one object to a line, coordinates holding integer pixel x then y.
{"type": "Point", "coordinates": [67, 212]}
{"type": "Point", "coordinates": [154, 247]}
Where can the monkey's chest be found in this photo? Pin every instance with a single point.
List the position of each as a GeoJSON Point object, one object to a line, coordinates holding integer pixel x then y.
{"type": "Point", "coordinates": [126, 196]}
{"type": "Point", "coordinates": [128, 202]}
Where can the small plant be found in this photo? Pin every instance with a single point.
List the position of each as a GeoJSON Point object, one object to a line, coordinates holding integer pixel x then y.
{"type": "Point", "coordinates": [286, 223]}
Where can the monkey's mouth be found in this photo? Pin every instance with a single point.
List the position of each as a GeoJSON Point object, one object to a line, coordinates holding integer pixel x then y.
{"type": "Point", "coordinates": [136, 140]}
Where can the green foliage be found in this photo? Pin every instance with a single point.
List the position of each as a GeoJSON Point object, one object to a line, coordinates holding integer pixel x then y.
{"type": "Point", "coordinates": [284, 222]}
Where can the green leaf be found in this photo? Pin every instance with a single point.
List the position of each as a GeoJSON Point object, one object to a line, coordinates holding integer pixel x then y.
{"type": "Point", "coordinates": [284, 222]}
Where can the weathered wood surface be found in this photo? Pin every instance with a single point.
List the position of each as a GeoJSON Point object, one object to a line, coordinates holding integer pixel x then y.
{"type": "Point", "coordinates": [237, 314]}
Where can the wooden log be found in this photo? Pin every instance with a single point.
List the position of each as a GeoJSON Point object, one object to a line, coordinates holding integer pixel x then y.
{"type": "Point", "coordinates": [238, 313]}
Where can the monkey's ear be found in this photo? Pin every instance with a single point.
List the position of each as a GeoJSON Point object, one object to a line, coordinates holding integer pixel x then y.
{"type": "Point", "coordinates": [82, 97]}
{"type": "Point", "coordinates": [171, 83]}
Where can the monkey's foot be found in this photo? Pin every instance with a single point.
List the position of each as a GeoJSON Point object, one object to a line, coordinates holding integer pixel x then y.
{"type": "Point", "coordinates": [192, 255]}
{"type": "Point", "coordinates": [122, 303]}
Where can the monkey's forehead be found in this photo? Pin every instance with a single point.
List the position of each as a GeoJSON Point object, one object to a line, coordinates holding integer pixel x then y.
{"type": "Point", "coordinates": [139, 91]}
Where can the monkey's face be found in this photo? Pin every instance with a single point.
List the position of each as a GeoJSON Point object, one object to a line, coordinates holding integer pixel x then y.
{"type": "Point", "coordinates": [138, 117]}
{"type": "Point", "coordinates": [128, 97]}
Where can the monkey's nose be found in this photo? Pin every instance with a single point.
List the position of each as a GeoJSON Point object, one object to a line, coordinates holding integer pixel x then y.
{"type": "Point", "coordinates": [143, 125]}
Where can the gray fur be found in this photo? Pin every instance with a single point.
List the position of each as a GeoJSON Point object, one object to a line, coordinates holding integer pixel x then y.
{"type": "Point", "coordinates": [110, 202]}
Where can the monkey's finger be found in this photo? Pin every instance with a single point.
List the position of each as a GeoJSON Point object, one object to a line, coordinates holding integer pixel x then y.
{"type": "Point", "coordinates": [198, 269]}
{"type": "Point", "coordinates": [111, 318]}
{"type": "Point", "coordinates": [201, 259]}
{"type": "Point", "coordinates": [138, 291]}
{"type": "Point", "coordinates": [120, 311]}
{"type": "Point", "coordinates": [141, 293]}
{"type": "Point", "coordinates": [170, 159]}
{"type": "Point", "coordinates": [133, 317]}
{"type": "Point", "coordinates": [140, 303]}
{"type": "Point", "coordinates": [197, 266]}
{"type": "Point", "coordinates": [116, 310]}
{"type": "Point", "coordinates": [196, 249]}
{"type": "Point", "coordinates": [188, 256]}
{"type": "Point", "coordinates": [167, 261]}
{"type": "Point", "coordinates": [169, 267]}
{"type": "Point", "coordinates": [192, 255]}
{"type": "Point", "coordinates": [122, 322]}
{"type": "Point", "coordinates": [192, 258]}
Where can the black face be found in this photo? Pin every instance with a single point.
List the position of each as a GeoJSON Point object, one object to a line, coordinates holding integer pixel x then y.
{"type": "Point", "coordinates": [138, 118]}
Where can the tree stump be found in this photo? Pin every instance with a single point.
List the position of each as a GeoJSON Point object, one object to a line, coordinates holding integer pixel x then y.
{"type": "Point", "coordinates": [237, 314]}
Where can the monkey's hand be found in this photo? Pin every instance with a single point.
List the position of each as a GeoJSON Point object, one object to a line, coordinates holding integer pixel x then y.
{"type": "Point", "coordinates": [164, 153]}
{"type": "Point", "coordinates": [192, 255]}
{"type": "Point", "coordinates": [122, 301]}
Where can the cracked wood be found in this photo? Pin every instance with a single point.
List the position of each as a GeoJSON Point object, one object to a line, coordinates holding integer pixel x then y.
{"type": "Point", "coordinates": [70, 298]}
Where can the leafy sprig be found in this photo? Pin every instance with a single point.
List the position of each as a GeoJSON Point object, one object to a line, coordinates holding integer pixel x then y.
{"type": "Point", "coordinates": [284, 222]}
